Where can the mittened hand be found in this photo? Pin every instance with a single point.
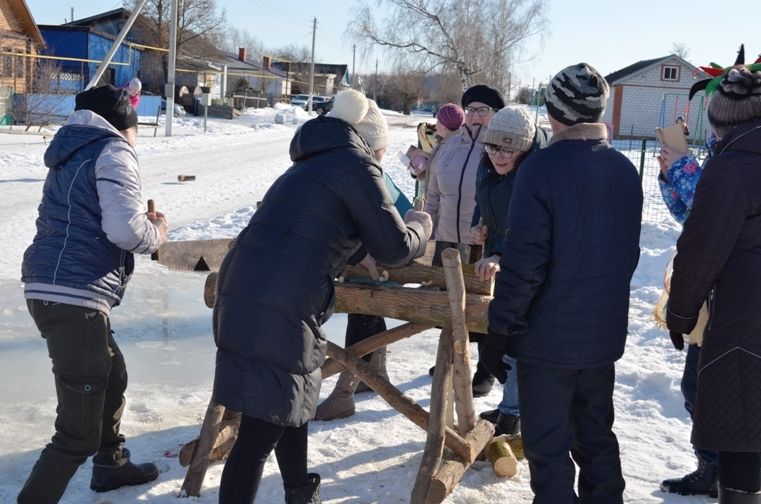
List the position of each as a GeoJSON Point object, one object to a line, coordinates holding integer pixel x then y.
{"type": "Point", "coordinates": [677, 339]}
{"type": "Point", "coordinates": [491, 355]}
{"type": "Point", "coordinates": [421, 218]}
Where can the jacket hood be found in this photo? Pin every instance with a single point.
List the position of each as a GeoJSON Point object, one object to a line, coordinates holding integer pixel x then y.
{"type": "Point", "coordinates": [83, 128]}
{"type": "Point", "coordinates": [745, 137]}
{"type": "Point", "coordinates": [322, 134]}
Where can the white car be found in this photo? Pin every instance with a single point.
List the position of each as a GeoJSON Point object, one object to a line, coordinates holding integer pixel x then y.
{"type": "Point", "coordinates": [318, 102]}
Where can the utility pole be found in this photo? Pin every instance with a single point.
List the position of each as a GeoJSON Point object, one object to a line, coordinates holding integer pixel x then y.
{"type": "Point", "coordinates": [169, 88]}
{"type": "Point", "coordinates": [311, 72]}
{"type": "Point", "coordinates": [375, 83]}
{"type": "Point", "coordinates": [72, 15]}
{"type": "Point", "coordinates": [354, 66]}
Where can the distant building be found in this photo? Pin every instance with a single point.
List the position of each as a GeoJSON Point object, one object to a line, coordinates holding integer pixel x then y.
{"type": "Point", "coordinates": [653, 93]}
{"type": "Point", "coordinates": [89, 47]}
{"type": "Point", "coordinates": [19, 36]}
{"type": "Point", "coordinates": [327, 76]}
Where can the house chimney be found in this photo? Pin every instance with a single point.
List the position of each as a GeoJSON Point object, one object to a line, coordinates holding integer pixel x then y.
{"type": "Point", "coordinates": [242, 54]}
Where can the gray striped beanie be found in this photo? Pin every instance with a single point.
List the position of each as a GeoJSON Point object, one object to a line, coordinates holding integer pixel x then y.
{"type": "Point", "coordinates": [577, 94]}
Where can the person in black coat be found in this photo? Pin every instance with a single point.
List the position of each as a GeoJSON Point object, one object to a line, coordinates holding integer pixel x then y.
{"type": "Point", "coordinates": [275, 290]}
{"type": "Point", "coordinates": [510, 139]}
{"type": "Point", "coordinates": [561, 300]}
{"type": "Point", "coordinates": [719, 259]}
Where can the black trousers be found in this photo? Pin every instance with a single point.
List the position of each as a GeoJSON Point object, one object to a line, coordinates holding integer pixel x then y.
{"type": "Point", "coordinates": [570, 411]}
{"type": "Point", "coordinates": [90, 380]}
{"type": "Point", "coordinates": [256, 440]}
{"type": "Point", "coordinates": [740, 471]}
{"type": "Point", "coordinates": [360, 327]}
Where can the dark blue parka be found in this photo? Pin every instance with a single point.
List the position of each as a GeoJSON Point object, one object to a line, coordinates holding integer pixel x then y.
{"type": "Point", "coordinates": [275, 286]}
{"type": "Point", "coordinates": [562, 297]}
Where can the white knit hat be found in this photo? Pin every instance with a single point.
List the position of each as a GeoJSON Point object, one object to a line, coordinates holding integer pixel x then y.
{"type": "Point", "coordinates": [511, 127]}
{"type": "Point", "coordinates": [364, 115]}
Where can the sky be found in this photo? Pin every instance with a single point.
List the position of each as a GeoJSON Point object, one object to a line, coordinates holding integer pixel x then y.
{"type": "Point", "coordinates": [608, 34]}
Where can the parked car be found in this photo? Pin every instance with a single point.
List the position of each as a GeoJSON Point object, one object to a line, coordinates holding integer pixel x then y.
{"type": "Point", "coordinates": [320, 104]}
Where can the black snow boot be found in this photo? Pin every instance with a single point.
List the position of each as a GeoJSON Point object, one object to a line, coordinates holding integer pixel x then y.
{"type": "Point", "coordinates": [507, 424]}
{"type": "Point", "coordinates": [305, 494]}
{"type": "Point", "coordinates": [730, 496]}
{"type": "Point", "coordinates": [703, 481]}
{"type": "Point", "coordinates": [491, 415]}
{"type": "Point", "coordinates": [112, 469]}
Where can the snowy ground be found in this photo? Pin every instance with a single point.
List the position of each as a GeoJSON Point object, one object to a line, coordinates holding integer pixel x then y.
{"type": "Point", "coordinates": [164, 331]}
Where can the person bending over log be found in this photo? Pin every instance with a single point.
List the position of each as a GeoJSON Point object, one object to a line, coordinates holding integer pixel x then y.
{"type": "Point", "coordinates": [275, 290]}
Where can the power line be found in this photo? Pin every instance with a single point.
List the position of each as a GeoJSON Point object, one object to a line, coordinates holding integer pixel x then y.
{"type": "Point", "coordinates": [277, 13]}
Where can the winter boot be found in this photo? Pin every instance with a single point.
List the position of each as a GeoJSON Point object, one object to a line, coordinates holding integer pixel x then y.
{"type": "Point", "coordinates": [482, 381]}
{"type": "Point", "coordinates": [112, 469]}
{"type": "Point", "coordinates": [305, 494]}
{"type": "Point", "coordinates": [703, 481]}
{"type": "Point", "coordinates": [340, 402]}
{"type": "Point", "coordinates": [731, 496]}
{"type": "Point", "coordinates": [507, 424]}
{"type": "Point", "coordinates": [491, 415]}
{"type": "Point", "coordinates": [377, 363]}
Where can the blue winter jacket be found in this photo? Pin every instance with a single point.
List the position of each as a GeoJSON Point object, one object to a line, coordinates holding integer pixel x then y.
{"type": "Point", "coordinates": [91, 218]}
{"type": "Point", "coordinates": [572, 244]}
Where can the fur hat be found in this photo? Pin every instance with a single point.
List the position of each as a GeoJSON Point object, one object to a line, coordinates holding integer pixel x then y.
{"type": "Point", "coordinates": [364, 115]}
{"type": "Point", "coordinates": [737, 100]}
{"type": "Point", "coordinates": [484, 94]}
{"type": "Point", "coordinates": [451, 116]}
{"type": "Point", "coordinates": [511, 127]}
{"type": "Point", "coordinates": [577, 94]}
{"type": "Point", "coordinates": [111, 103]}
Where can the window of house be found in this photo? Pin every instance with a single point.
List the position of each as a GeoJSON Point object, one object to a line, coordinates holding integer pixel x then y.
{"type": "Point", "coordinates": [6, 62]}
{"type": "Point", "coordinates": [20, 65]}
{"type": "Point", "coordinates": [670, 73]}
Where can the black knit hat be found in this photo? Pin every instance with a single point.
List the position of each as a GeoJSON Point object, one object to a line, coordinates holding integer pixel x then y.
{"type": "Point", "coordinates": [484, 94]}
{"type": "Point", "coordinates": [577, 94]}
{"type": "Point", "coordinates": [111, 103]}
{"type": "Point", "coordinates": [737, 100]}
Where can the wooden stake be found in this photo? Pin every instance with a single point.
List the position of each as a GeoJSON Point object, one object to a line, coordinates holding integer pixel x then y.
{"type": "Point", "coordinates": [463, 391]}
{"type": "Point", "coordinates": [152, 209]}
{"type": "Point", "coordinates": [200, 460]}
{"type": "Point", "coordinates": [437, 425]}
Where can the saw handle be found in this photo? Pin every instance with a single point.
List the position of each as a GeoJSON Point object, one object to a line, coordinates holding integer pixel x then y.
{"type": "Point", "coordinates": [152, 209]}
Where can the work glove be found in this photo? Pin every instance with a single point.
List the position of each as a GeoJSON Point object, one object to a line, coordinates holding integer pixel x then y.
{"type": "Point", "coordinates": [677, 339]}
{"type": "Point", "coordinates": [423, 219]}
{"type": "Point", "coordinates": [491, 353]}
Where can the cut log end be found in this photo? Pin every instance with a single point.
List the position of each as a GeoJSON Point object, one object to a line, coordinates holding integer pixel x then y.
{"type": "Point", "coordinates": [502, 459]}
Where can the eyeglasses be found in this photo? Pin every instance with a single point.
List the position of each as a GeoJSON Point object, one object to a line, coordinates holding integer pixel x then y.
{"type": "Point", "coordinates": [482, 111]}
{"type": "Point", "coordinates": [498, 149]}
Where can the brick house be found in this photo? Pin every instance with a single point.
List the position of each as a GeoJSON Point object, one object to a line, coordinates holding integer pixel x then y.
{"type": "Point", "coordinates": [18, 35]}
{"type": "Point", "coordinates": [652, 93]}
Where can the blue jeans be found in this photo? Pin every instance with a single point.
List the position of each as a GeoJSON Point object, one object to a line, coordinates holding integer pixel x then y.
{"type": "Point", "coordinates": [689, 388]}
{"type": "Point", "coordinates": [509, 403]}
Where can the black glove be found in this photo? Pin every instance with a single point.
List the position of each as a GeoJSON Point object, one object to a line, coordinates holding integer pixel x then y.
{"type": "Point", "coordinates": [491, 355]}
{"type": "Point", "coordinates": [677, 339]}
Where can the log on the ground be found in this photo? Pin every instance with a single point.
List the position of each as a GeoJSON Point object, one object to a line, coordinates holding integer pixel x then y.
{"type": "Point", "coordinates": [461, 376]}
{"type": "Point", "coordinates": [453, 467]}
{"type": "Point", "coordinates": [437, 421]}
{"type": "Point", "coordinates": [228, 433]}
{"type": "Point", "coordinates": [516, 444]}
{"type": "Point", "coordinates": [402, 403]}
{"type": "Point", "coordinates": [501, 456]}
{"type": "Point", "coordinates": [374, 342]}
{"type": "Point", "coordinates": [431, 276]}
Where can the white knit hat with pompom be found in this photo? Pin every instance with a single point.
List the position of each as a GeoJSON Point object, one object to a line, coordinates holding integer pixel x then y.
{"type": "Point", "coordinates": [364, 115]}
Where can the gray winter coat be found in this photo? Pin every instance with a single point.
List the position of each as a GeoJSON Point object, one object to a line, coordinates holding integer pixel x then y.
{"type": "Point", "coordinates": [275, 287]}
